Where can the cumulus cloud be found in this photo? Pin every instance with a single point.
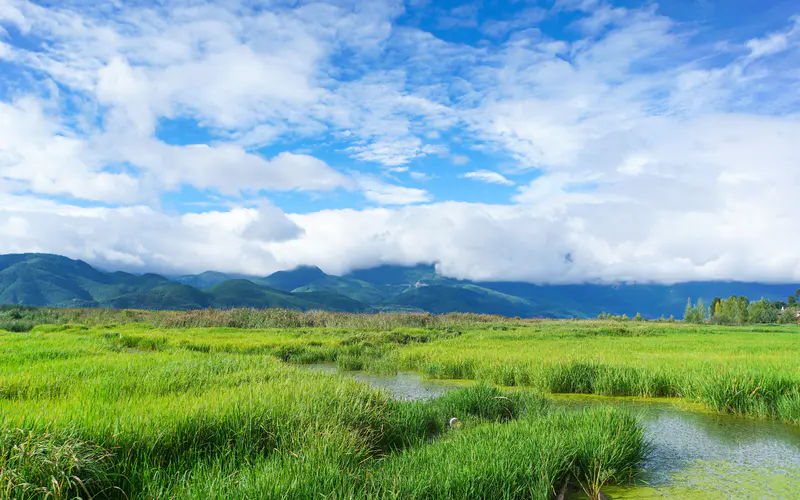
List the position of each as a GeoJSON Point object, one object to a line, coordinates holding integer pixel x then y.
{"type": "Point", "coordinates": [43, 156]}
{"type": "Point", "coordinates": [37, 155]}
{"type": "Point", "coordinates": [655, 157]}
{"type": "Point", "coordinates": [229, 169]}
{"type": "Point", "coordinates": [139, 238]}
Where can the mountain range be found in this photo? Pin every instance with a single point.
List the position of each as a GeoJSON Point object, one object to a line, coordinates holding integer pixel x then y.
{"type": "Point", "coordinates": [54, 280]}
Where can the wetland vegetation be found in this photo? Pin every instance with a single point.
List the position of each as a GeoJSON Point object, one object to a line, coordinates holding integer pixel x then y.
{"type": "Point", "coordinates": [210, 404]}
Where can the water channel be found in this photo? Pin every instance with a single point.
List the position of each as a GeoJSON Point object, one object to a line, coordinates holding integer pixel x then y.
{"type": "Point", "coordinates": [696, 454]}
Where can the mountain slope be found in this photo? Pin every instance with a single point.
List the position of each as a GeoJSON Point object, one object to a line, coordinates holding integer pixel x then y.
{"type": "Point", "coordinates": [361, 291]}
{"type": "Point", "coordinates": [169, 297]}
{"type": "Point", "coordinates": [245, 293]}
{"type": "Point", "coordinates": [394, 275]}
{"type": "Point", "coordinates": [289, 280]}
{"type": "Point", "coordinates": [331, 301]}
{"type": "Point", "coordinates": [204, 280]}
{"type": "Point", "coordinates": [440, 299]}
{"type": "Point", "coordinates": [53, 280]}
{"type": "Point", "coordinates": [43, 279]}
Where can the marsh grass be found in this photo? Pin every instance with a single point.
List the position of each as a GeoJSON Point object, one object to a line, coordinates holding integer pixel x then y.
{"type": "Point", "coordinates": [143, 410]}
{"type": "Point", "coordinates": [751, 370]}
{"type": "Point", "coordinates": [22, 318]}
{"type": "Point", "coordinates": [132, 412]}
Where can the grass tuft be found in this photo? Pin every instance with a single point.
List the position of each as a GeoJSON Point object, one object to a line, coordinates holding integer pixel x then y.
{"type": "Point", "coordinates": [43, 465]}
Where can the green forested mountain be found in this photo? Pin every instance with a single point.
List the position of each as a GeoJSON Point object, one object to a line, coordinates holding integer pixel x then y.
{"type": "Point", "coordinates": [289, 280]}
{"type": "Point", "coordinates": [363, 291]}
{"type": "Point", "coordinates": [395, 275]}
{"type": "Point", "coordinates": [53, 280]}
{"type": "Point", "coordinates": [171, 296]}
{"type": "Point", "coordinates": [441, 299]}
{"type": "Point", "coordinates": [244, 293]}
{"type": "Point", "coordinates": [43, 279]}
{"type": "Point", "coordinates": [331, 300]}
{"type": "Point", "coordinates": [205, 280]}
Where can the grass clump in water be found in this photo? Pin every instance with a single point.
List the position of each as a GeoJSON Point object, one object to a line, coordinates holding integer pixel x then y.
{"type": "Point", "coordinates": [521, 459]}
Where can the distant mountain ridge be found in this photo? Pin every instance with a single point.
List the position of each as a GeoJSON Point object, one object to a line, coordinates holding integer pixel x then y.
{"type": "Point", "coordinates": [54, 280]}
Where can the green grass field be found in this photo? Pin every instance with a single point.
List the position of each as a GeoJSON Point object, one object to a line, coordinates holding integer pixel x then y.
{"type": "Point", "coordinates": [208, 404]}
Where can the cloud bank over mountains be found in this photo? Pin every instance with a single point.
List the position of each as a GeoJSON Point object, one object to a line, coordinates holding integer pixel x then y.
{"type": "Point", "coordinates": [564, 141]}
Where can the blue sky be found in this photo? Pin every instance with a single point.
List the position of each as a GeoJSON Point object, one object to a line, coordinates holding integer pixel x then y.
{"type": "Point", "coordinates": [650, 141]}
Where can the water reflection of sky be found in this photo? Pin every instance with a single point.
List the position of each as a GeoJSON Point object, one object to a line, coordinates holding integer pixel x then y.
{"type": "Point", "coordinates": [404, 385]}
{"type": "Point", "coordinates": [695, 454]}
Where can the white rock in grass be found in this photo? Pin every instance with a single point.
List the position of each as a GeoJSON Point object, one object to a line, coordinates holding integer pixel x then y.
{"type": "Point", "coordinates": [455, 423]}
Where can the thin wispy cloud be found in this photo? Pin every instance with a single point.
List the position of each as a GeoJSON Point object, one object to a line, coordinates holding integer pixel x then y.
{"type": "Point", "coordinates": [489, 177]}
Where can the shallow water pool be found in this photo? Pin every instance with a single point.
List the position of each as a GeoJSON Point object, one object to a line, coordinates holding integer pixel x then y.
{"type": "Point", "coordinates": [696, 454]}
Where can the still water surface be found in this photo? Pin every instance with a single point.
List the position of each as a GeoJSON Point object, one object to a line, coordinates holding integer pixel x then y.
{"type": "Point", "coordinates": [696, 454]}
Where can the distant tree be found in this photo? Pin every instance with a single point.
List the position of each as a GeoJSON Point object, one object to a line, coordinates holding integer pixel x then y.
{"type": "Point", "coordinates": [740, 310]}
{"type": "Point", "coordinates": [662, 318]}
{"type": "Point", "coordinates": [695, 313]}
{"type": "Point", "coordinates": [700, 312]}
{"type": "Point", "coordinates": [719, 315]}
{"type": "Point", "coordinates": [625, 317]}
{"type": "Point", "coordinates": [638, 317]}
{"type": "Point", "coordinates": [712, 311]}
{"type": "Point", "coordinates": [733, 310]}
{"type": "Point", "coordinates": [671, 318]}
{"type": "Point", "coordinates": [688, 313]}
{"type": "Point", "coordinates": [602, 315]}
{"type": "Point", "coordinates": [762, 312]}
{"type": "Point", "coordinates": [787, 317]}
{"type": "Point", "coordinates": [792, 300]}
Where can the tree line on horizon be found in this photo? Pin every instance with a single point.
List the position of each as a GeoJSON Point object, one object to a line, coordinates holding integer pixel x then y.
{"type": "Point", "coordinates": [735, 310]}
{"type": "Point", "coordinates": [739, 310]}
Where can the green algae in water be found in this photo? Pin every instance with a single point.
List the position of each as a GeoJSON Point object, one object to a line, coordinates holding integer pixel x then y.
{"type": "Point", "coordinates": [702, 455]}
{"type": "Point", "coordinates": [717, 480]}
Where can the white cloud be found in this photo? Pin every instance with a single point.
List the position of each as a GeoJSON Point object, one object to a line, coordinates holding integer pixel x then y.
{"type": "Point", "coordinates": [39, 156]}
{"type": "Point", "coordinates": [774, 42]}
{"type": "Point", "coordinates": [228, 71]}
{"type": "Point", "coordinates": [142, 239]}
{"type": "Point", "coordinates": [656, 158]}
{"type": "Point", "coordinates": [390, 194]}
{"type": "Point", "coordinates": [707, 216]}
{"type": "Point", "coordinates": [46, 158]}
{"type": "Point", "coordinates": [523, 19]}
{"type": "Point", "coordinates": [390, 125]}
{"type": "Point", "coordinates": [460, 159]}
{"type": "Point", "coordinates": [420, 176]}
{"type": "Point", "coordinates": [489, 177]}
{"type": "Point", "coordinates": [250, 76]}
{"type": "Point", "coordinates": [229, 169]}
